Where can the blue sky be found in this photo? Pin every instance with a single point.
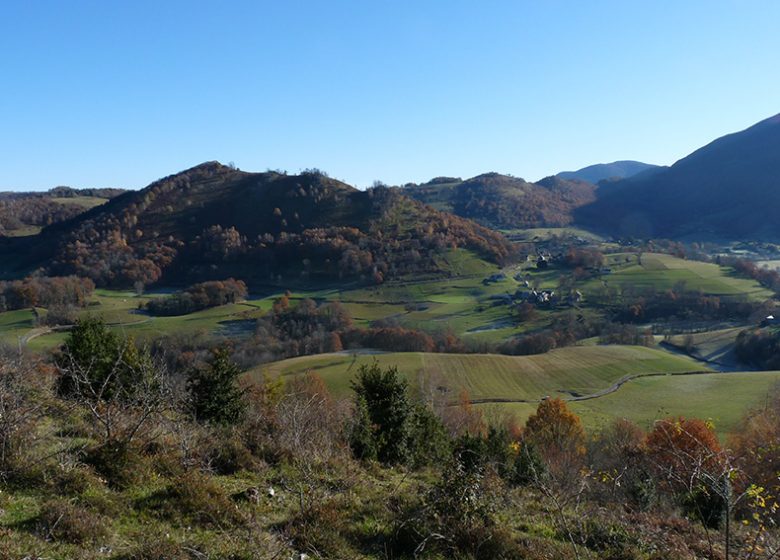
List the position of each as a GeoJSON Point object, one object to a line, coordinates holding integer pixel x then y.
{"type": "Point", "coordinates": [120, 93]}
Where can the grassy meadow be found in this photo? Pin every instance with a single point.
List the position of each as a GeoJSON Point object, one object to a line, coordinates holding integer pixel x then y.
{"type": "Point", "coordinates": [667, 384]}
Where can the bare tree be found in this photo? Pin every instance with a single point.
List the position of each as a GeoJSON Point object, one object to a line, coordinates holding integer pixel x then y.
{"type": "Point", "coordinates": [124, 401]}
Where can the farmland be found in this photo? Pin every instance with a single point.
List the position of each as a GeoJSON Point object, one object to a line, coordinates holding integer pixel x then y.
{"type": "Point", "coordinates": [662, 386]}
{"type": "Point", "coordinates": [462, 304]}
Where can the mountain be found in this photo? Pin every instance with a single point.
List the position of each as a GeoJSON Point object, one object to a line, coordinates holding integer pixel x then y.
{"type": "Point", "coordinates": [601, 171]}
{"type": "Point", "coordinates": [728, 189]}
{"type": "Point", "coordinates": [214, 221]}
{"type": "Point", "coordinates": [504, 202]}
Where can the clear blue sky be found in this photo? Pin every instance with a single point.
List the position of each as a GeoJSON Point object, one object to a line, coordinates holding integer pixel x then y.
{"type": "Point", "coordinates": [120, 93]}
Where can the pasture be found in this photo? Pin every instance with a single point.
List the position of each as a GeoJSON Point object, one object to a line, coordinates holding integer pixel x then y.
{"type": "Point", "coordinates": [661, 272]}
{"type": "Point", "coordinates": [667, 384]}
{"type": "Point", "coordinates": [576, 370]}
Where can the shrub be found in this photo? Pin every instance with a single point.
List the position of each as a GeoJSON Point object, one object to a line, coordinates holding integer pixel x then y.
{"type": "Point", "coordinates": [64, 521]}
{"type": "Point", "coordinates": [230, 455]}
{"type": "Point", "coordinates": [121, 465]}
{"type": "Point", "coordinates": [309, 422]}
{"type": "Point", "coordinates": [199, 498]}
{"type": "Point", "coordinates": [428, 440]}
{"type": "Point", "coordinates": [456, 518]}
{"type": "Point", "coordinates": [384, 415]}
{"type": "Point", "coordinates": [216, 395]}
{"type": "Point", "coordinates": [156, 548]}
{"type": "Point", "coordinates": [321, 529]}
{"type": "Point", "coordinates": [25, 389]}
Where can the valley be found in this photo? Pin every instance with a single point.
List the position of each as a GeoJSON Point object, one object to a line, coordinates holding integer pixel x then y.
{"type": "Point", "coordinates": [259, 317]}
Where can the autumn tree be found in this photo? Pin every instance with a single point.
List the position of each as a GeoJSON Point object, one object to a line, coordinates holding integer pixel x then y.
{"type": "Point", "coordinates": [557, 433]}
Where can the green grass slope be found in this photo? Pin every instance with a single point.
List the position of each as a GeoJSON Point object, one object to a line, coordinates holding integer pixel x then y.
{"type": "Point", "coordinates": [561, 372]}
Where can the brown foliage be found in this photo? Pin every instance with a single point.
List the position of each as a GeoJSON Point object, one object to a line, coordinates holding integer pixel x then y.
{"type": "Point", "coordinates": [557, 434]}
{"type": "Point", "coordinates": [681, 449]}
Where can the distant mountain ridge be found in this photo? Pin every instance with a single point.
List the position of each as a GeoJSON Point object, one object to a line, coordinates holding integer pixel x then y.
{"type": "Point", "coordinates": [505, 202]}
{"type": "Point", "coordinates": [729, 188]}
{"type": "Point", "coordinates": [603, 171]}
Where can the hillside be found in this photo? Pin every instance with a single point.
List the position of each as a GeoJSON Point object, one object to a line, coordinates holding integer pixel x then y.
{"type": "Point", "coordinates": [727, 189]}
{"type": "Point", "coordinates": [602, 171]}
{"type": "Point", "coordinates": [25, 213]}
{"type": "Point", "coordinates": [214, 221]}
{"type": "Point", "coordinates": [504, 202]}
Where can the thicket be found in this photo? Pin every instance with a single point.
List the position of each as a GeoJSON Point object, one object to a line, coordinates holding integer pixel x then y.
{"type": "Point", "coordinates": [45, 291]}
{"type": "Point", "coordinates": [199, 296]}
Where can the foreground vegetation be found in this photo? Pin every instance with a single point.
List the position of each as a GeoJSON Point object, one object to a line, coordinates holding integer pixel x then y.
{"type": "Point", "coordinates": [107, 452]}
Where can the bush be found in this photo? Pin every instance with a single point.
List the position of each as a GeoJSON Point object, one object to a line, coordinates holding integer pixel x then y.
{"type": "Point", "coordinates": [157, 549]}
{"type": "Point", "coordinates": [384, 413]}
{"type": "Point", "coordinates": [121, 465]}
{"type": "Point", "coordinates": [216, 396]}
{"type": "Point", "coordinates": [321, 528]}
{"type": "Point", "coordinates": [456, 518]}
{"type": "Point", "coordinates": [199, 498]}
{"type": "Point", "coordinates": [64, 521]}
{"type": "Point", "coordinates": [230, 456]}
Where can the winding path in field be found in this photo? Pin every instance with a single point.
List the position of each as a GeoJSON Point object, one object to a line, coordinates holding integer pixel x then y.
{"type": "Point", "coordinates": [40, 331]}
{"type": "Point", "coordinates": [600, 393]}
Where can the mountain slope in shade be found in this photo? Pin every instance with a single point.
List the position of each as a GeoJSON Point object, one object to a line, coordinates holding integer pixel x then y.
{"type": "Point", "coordinates": [504, 202]}
{"type": "Point", "coordinates": [214, 221]}
{"type": "Point", "coordinates": [601, 171]}
{"type": "Point", "coordinates": [729, 189]}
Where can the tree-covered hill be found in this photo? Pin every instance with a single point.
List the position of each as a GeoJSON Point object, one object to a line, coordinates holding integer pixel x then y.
{"type": "Point", "coordinates": [505, 202]}
{"type": "Point", "coordinates": [266, 228]}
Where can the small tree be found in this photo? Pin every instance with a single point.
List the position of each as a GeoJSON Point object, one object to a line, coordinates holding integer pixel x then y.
{"type": "Point", "coordinates": [96, 356]}
{"type": "Point", "coordinates": [216, 395]}
{"type": "Point", "coordinates": [383, 415]}
{"type": "Point", "coordinates": [123, 389]}
{"type": "Point", "coordinates": [557, 435]}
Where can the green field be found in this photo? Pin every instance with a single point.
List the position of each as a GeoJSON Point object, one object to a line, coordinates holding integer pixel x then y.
{"type": "Point", "coordinates": [716, 346]}
{"type": "Point", "coordinates": [581, 370]}
{"type": "Point", "coordinates": [722, 397]}
{"type": "Point", "coordinates": [662, 272]}
{"type": "Point", "coordinates": [85, 202]}
{"type": "Point", "coordinates": [461, 304]}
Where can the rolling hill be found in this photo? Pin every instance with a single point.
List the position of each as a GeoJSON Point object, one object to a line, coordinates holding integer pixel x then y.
{"type": "Point", "coordinates": [729, 189]}
{"type": "Point", "coordinates": [214, 221]}
{"type": "Point", "coordinates": [26, 213]}
{"type": "Point", "coordinates": [504, 202]}
{"type": "Point", "coordinates": [602, 171]}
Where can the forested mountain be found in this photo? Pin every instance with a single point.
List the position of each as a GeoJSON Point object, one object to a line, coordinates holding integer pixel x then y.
{"type": "Point", "coordinates": [214, 221]}
{"type": "Point", "coordinates": [505, 202]}
{"type": "Point", "coordinates": [24, 213]}
{"type": "Point", "coordinates": [601, 171]}
{"type": "Point", "coordinates": [727, 189]}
